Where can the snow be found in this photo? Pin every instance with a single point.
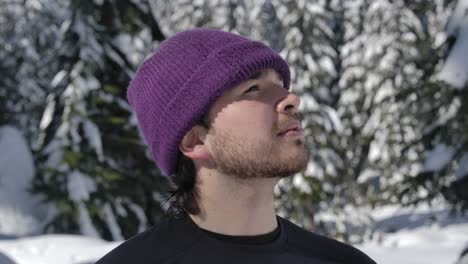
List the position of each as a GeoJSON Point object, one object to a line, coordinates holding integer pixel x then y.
{"type": "Point", "coordinates": [111, 222]}
{"type": "Point", "coordinates": [79, 186]}
{"type": "Point", "coordinates": [419, 235]}
{"type": "Point", "coordinates": [445, 115]}
{"type": "Point", "coordinates": [140, 214]}
{"type": "Point", "coordinates": [55, 249]}
{"type": "Point", "coordinates": [86, 225]}
{"type": "Point", "coordinates": [58, 78]}
{"type": "Point", "coordinates": [368, 175]}
{"type": "Point", "coordinates": [134, 47]}
{"type": "Point", "coordinates": [438, 158]}
{"type": "Point", "coordinates": [48, 113]}
{"type": "Point", "coordinates": [315, 170]}
{"type": "Point", "coordinates": [423, 246]}
{"type": "Point", "coordinates": [326, 64]}
{"type": "Point", "coordinates": [93, 135]}
{"type": "Point", "coordinates": [455, 70]}
{"type": "Point", "coordinates": [372, 123]}
{"type": "Point", "coordinates": [334, 119]}
{"type": "Point", "coordinates": [300, 183]}
{"type": "Point", "coordinates": [18, 207]}
{"type": "Point", "coordinates": [308, 103]}
{"type": "Point", "coordinates": [311, 64]}
{"type": "Point", "coordinates": [463, 166]}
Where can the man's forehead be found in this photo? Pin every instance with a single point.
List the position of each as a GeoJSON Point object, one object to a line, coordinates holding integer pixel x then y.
{"type": "Point", "coordinates": [234, 92]}
{"type": "Point", "coordinates": [256, 76]}
{"type": "Point", "coordinates": [263, 73]}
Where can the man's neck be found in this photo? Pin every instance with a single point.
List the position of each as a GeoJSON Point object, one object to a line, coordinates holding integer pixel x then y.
{"type": "Point", "coordinates": [232, 206]}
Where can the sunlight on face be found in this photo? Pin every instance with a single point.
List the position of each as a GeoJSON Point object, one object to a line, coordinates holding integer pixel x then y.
{"type": "Point", "coordinates": [243, 138]}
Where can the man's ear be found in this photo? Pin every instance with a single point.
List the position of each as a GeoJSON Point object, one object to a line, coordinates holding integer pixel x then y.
{"type": "Point", "coordinates": [193, 146]}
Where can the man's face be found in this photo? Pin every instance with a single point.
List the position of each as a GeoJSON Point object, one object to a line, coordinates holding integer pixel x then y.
{"type": "Point", "coordinates": [245, 138]}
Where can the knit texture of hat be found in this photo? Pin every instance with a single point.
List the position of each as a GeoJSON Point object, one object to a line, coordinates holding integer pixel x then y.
{"type": "Point", "coordinates": [176, 86]}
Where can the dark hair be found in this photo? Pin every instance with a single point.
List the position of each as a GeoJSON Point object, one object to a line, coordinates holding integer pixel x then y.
{"type": "Point", "coordinates": [183, 196]}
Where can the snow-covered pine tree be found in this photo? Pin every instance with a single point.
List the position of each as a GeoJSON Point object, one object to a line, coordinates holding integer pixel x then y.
{"type": "Point", "coordinates": [92, 166]}
{"type": "Point", "coordinates": [315, 32]}
{"type": "Point", "coordinates": [394, 47]}
{"type": "Point", "coordinates": [21, 86]}
{"type": "Point", "coordinates": [20, 99]}
{"type": "Point", "coordinates": [443, 123]}
{"type": "Point", "coordinates": [7, 60]}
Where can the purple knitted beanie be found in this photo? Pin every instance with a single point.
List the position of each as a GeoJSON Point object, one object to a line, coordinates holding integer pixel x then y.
{"type": "Point", "coordinates": [174, 88]}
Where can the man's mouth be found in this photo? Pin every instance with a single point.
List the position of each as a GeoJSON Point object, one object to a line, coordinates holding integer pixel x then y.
{"type": "Point", "coordinates": [291, 129]}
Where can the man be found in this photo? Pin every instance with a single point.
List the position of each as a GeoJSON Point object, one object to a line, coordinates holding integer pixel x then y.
{"type": "Point", "coordinates": [216, 111]}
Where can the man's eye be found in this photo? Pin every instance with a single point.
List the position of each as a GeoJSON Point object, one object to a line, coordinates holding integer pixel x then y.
{"type": "Point", "coordinates": [251, 89]}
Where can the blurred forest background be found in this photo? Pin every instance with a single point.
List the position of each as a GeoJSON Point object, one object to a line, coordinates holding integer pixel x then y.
{"type": "Point", "coordinates": [383, 87]}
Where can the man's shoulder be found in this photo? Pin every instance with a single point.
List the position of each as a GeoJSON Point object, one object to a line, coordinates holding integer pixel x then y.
{"type": "Point", "coordinates": [306, 242]}
{"type": "Point", "coordinates": [138, 249]}
{"type": "Point", "coordinates": [154, 245]}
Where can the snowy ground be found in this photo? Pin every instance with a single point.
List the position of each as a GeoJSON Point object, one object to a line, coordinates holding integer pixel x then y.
{"type": "Point", "coordinates": [433, 245]}
{"type": "Point", "coordinates": [54, 249]}
{"type": "Point", "coordinates": [418, 236]}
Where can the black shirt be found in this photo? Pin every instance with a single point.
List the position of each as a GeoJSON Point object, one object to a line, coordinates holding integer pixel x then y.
{"type": "Point", "coordinates": [180, 240]}
{"type": "Point", "coordinates": [252, 240]}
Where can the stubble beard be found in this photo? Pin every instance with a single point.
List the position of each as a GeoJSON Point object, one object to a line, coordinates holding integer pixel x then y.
{"type": "Point", "coordinates": [260, 159]}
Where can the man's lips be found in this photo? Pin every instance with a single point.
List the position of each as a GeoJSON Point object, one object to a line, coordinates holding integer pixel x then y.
{"type": "Point", "coordinates": [293, 126]}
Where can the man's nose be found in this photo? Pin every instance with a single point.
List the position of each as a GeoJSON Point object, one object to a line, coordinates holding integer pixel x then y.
{"type": "Point", "coordinates": [289, 104]}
